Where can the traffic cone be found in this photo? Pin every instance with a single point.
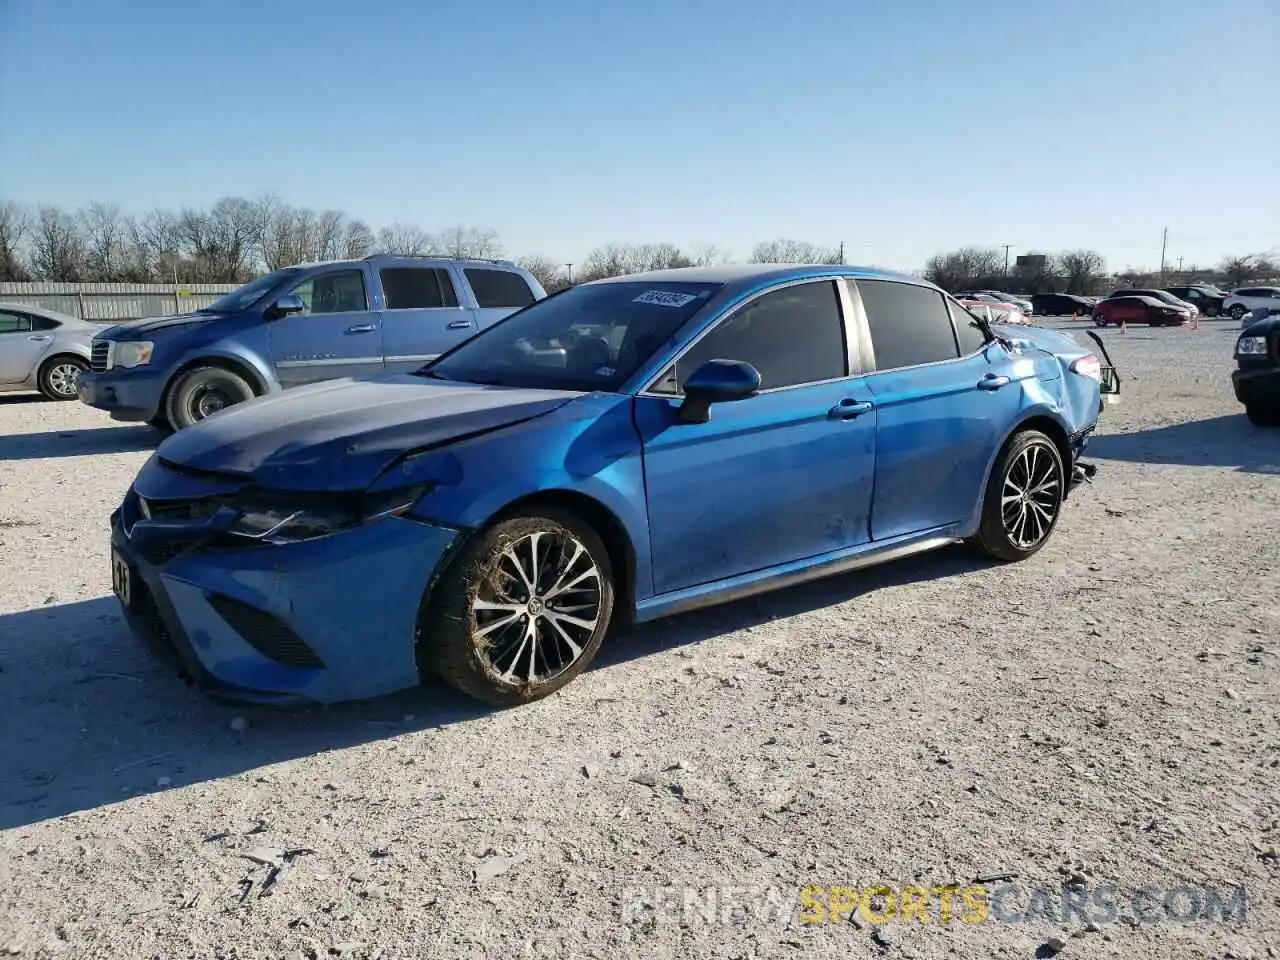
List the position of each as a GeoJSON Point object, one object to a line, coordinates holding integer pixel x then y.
{"type": "Point", "coordinates": [1195, 321]}
{"type": "Point", "coordinates": [1124, 328]}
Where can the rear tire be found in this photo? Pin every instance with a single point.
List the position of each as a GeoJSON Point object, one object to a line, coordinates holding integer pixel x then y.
{"type": "Point", "coordinates": [1238, 311]}
{"type": "Point", "coordinates": [521, 611]}
{"type": "Point", "coordinates": [57, 377]}
{"type": "Point", "coordinates": [202, 392]}
{"type": "Point", "coordinates": [1099, 320]}
{"type": "Point", "coordinates": [1261, 416]}
{"type": "Point", "coordinates": [1023, 498]}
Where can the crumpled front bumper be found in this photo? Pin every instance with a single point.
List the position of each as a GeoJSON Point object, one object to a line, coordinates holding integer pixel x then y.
{"type": "Point", "coordinates": [320, 621]}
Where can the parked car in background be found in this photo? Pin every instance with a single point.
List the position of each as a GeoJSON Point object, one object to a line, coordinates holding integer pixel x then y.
{"type": "Point", "coordinates": [1207, 300]}
{"type": "Point", "coordinates": [42, 350]}
{"type": "Point", "coordinates": [297, 325]}
{"type": "Point", "coordinates": [487, 518]}
{"type": "Point", "coordinates": [996, 312]}
{"type": "Point", "coordinates": [1245, 299]}
{"type": "Point", "coordinates": [1256, 379]}
{"type": "Point", "coordinates": [1118, 310]}
{"type": "Point", "coordinates": [1162, 295]}
{"type": "Point", "coordinates": [1061, 304]}
{"type": "Point", "coordinates": [1259, 313]}
{"type": "Point", "coordinates": [998, 296]}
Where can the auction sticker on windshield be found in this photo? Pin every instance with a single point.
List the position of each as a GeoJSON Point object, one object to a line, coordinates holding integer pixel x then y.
{"type": "Point", "coordinates": [665, 298]}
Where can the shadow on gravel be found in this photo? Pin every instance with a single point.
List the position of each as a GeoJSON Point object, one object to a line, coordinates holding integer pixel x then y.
{"type": "Point", "coordinates": [78, 443]}
{"type": "Point", "coordinates": [1219, 442]}
{"type": "Point", "coordinates": [91, 718]}
{"type": "Point", "coordinates": [15, 398]}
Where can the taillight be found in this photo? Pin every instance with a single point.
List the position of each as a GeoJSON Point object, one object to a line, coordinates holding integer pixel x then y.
{"type": "Point", "coordinates": [1089, 366]}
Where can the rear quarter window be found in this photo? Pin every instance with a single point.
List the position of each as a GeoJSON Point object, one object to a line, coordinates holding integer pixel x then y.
{"type": "Point", "coordinates": [498, 288]}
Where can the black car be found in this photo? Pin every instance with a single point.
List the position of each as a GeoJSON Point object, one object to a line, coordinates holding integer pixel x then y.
{"type": "Point", "coordinates": [1256, 379]}
{"type": "Point", "coordinates": [1207, 299]}
{"type": "Point", "coordinates": [1060, 304]}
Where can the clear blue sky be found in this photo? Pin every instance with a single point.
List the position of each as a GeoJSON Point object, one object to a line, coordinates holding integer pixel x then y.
{"type": "Point", "coordinates": [903, 127]}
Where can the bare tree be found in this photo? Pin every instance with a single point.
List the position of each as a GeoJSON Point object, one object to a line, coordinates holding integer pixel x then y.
{"type": "Point", "coordinates": [707, 254]}
{"type": "Point", "coordinates": [159, 234]}
{"type": "Point", "coordinates": [1237, 271]}
{"type": "Point", "coordinates": [793, 251]}
{"type": "Point", "coordinates": [1081, 269]}
{"type": "Point", "coordinates": [103, 230]}
{"type": "Point", "coordinates": [966, 267]}
{"type": "Point", "coordinates": [15, 225]}
{"type": "Point", "coordinates": [618, 259]}
{"type": "Point", "coordinates": [463, 241]}
{"type": "Point", "coordinates": [548, 272]}
{"type": "Point", "coordinates": [57, 250]}
{"type": "Point", "coordinates": [357, 240]}
{"type": "Point", "coordinates": [404, 240]}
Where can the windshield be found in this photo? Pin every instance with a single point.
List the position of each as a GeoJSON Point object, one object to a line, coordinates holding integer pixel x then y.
{"type": "Point", "coordinates": [592, 337]}
{"type": "Point", "coordinates": [244, 297]}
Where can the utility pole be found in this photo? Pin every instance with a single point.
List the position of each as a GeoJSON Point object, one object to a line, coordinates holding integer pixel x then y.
{"type": "Point", "coordinates": [842, 251]}
{"type": "Point", "coordinates": [1164, 243]}
{"type": "Point", "coordinates": [1179, 266]}
{"type": "Point", "coordinates": [1006, 258]}
{"type": "Point", "coordinates": [569, 267]}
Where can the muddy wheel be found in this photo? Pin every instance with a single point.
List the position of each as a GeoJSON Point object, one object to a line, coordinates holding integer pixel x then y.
{"type": "Point", "coordinates": [1023, 498]}
{"type": "Point", "coordinates": [522, 610]}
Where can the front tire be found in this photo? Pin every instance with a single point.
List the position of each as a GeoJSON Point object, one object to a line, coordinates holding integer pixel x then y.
{"type": "Point", "coordinates": [1023, 498]}
{"type": "Point", "coordinates": [1099, 320]}
{"type": "Point", "coordinates": [57, 377]}
{"type": "Point", "coordinates": [521, 611]}
{"type": "Point", "coordinates": [1261, 416]}
{"type": "Point", "coordinates": [1238, 311]}
{"type": "Point", "coordinates": [202, 392]}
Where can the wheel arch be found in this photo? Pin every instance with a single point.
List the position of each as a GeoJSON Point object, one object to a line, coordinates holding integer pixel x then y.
{"type": "Point", "coordinates": [238, 365]}
{"type": "Point", "coordinates": [37, 375]}
{"type": "Point", "coordinates": [1041, 419]}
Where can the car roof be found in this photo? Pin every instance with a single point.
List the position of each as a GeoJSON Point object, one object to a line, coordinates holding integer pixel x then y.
{"type": "Point", "coordinates": [742, 275]}
{"type": "Point", "coordinates": [64, 318]}
{"type": "Point", "coordinates": [407, 260]}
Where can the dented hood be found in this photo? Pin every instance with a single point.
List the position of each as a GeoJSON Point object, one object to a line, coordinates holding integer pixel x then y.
{"type": "Point", "coordinates": [341, 434]}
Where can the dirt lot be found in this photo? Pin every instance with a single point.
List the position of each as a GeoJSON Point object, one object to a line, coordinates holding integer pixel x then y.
{"type": "Point", "coordinates": [1107, 713]}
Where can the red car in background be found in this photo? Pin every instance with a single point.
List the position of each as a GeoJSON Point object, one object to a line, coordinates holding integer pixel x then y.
{"type": "Point", "coordinates": [1115, 311]}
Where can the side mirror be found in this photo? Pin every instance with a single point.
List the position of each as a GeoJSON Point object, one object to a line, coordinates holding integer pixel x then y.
{"type": "Point", "coordinates": [288, 304]}
{"type": "Point", "coordinates": [717, 381]}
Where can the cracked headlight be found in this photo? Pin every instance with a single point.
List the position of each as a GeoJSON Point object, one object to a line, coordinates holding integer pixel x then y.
{"type": "Point", "coordinates": [1251, 347]}
{"type": "Point", "coordinates": [280, 520]}
{"type": "Point", "coordinates": [132, 353]}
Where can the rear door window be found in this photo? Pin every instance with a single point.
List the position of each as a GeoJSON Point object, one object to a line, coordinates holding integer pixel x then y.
{"type": "Point", "coordinates": [14, 322]}
{"type": "Point", "coordinates": [498, 288]}
{"type": "Point", "coordinates": [417, 288]}
{"type": "Point", "coordinates": [910, 325]}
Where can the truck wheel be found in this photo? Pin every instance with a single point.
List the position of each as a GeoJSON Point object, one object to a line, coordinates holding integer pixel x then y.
{"type": "Point", "coordinates": [521, 611]}
{"type": "Point", "coordinates": [1261, 416]}
{"type": "Point", "coordinates": [202, 392]}
{"type": "Point", "coordinates": [1023, 498]}
{"type": "Point", "coordinates": [57, 378]}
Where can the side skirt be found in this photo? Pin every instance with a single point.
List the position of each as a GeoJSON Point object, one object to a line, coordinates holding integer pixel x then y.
{"type": "Point", "coordinates": [790, 574]}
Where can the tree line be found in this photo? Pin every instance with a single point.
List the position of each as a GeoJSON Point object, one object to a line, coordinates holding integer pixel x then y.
{"type": "Point", "coordinates": [236, 239]}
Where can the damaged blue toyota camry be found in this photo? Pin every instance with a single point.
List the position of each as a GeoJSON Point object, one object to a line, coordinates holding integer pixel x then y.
{"type": "Point", "coordinates": [623, 450]}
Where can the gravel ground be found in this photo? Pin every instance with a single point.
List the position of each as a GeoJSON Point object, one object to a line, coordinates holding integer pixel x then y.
{"type": "Point", "coordinates": [1105, 713]}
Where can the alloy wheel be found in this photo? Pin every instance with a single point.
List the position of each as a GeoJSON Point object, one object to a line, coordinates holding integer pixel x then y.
{"type": "Point", "coordinates": [1032, 496]}
{"type": "Point", "coordinates": [62, 379]}
{"type": "Point", "coordinates": [537, 610]}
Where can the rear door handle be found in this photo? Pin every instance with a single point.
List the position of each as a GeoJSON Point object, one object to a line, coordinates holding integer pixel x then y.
{"type": "Point", "coordinates": [993, 381]}
{"type": "Point", "coordinates": [460, 325]}
{"type": "Point", "coordinates": [362, 328]}
{"type": "Point", "coordinates": [849, 409]}
{"type": "Point", "coordinates": [40, 338]}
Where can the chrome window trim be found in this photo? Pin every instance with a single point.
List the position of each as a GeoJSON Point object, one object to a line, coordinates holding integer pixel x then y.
{"type": "Point", "coordinates": [731, 311]}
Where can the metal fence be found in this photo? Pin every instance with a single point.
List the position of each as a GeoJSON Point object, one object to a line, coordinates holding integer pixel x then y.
{"type": "Point", "coordinates": [115, 302]}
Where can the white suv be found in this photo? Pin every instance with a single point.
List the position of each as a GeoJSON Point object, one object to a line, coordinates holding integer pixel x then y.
{"type": "Point", "coordinates": [1250, 298]}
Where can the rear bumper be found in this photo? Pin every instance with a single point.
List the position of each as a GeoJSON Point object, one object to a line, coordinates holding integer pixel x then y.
{"type": "Point", "coordinates": [128, 394]}
{"type": "Point", "coordinates": [316, 622]}
{"type": "Point", "coordinates": [1257, 387]}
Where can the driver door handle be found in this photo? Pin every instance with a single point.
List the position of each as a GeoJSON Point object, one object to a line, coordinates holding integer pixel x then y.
{"type": "Point", "coordinates": [40, 338]}
{"type": "Point", "coordinates": [460, 325]}
{"type": "Point", "coordinates": [362, 328]}
{"type": "Point", "coordinates": [849, 409]}
{"type": "Point", "coordinates": [993, 381]}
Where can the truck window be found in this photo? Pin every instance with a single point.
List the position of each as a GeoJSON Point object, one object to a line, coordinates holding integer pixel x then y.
{"type": "Point", "coordinates": [338, 292]}
{"type": "Point", "coordinates": [417, 288]}
{"type": "Point", "coordinates": [498, 288]}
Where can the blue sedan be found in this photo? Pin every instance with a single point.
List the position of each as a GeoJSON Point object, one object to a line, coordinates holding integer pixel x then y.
{"type": "Point", "coordinates": [623, 450]}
